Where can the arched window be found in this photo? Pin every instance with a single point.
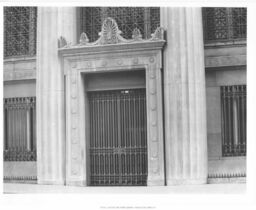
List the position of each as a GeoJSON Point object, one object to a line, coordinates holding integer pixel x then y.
{"type": "Point", "coordinates": [146, 19]}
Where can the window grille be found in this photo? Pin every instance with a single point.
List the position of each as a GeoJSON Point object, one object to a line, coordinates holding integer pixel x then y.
{"type": "Point", "coordinates": [127, 18]}
{"type": "Point", "coordinates": [20, 31]}
{"type": "Point", "coordinates": [222, 24]}
{"type": "Point", "coordinates": [233, 102]}
{"type": "Point", "coordinates": [20, 129]}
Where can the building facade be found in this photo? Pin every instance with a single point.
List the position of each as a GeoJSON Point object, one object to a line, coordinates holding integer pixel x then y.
{"type": "Point", "coordinates": [122, 96]}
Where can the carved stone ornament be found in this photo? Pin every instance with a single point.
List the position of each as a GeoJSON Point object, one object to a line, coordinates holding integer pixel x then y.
{"type": "Point", "coordinates": [62, 42]}
{"type": "Point", "coordinates": [110, 34]}
{"type": "Point", "coordinates": [83, 39]}
{"type": "Point", "coordinates": [136, 35]}
{"type": "Point", "coordinates": [158, 34]}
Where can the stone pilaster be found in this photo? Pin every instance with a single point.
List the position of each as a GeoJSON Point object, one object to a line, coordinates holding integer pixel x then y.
{"type": "Point", "coordinates": [53, 22]}
{"type": "Point", "coordinates": [184, 97]}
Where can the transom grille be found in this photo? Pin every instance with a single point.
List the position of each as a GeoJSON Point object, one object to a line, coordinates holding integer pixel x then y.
{"type": "Point", "coordinates": [146, 19]}
{"type": "Point", "coordinates": [118, 142]}
{"type": "Point", "coordinates": [224, 23]}
{"type": "Point", "coordinates": [20, 31]}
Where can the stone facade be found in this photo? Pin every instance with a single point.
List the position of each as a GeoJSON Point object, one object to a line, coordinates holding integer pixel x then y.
{"type": "Point", "coordinates": [183, 107]}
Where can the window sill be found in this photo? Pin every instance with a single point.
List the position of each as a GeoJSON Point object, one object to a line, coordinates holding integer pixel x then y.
{"type": "Point", "coordinates": [20, 58]}
{"type": "Point", "coordinates": [228, 43]}
{"type": "Point", "coordinates": [227, 158]}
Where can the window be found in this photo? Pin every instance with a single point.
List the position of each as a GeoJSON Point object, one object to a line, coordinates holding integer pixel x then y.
{"type": "Point", "coordinates": [127, 18]}
{"type": "Point", "coordinates": [20, 129]}
{"type": "Point", "coordinates": [233, 106]}
{"type": "Point", "coordinates": [19, 31]}
{"type": "Point", "coordinates": [224, 23]}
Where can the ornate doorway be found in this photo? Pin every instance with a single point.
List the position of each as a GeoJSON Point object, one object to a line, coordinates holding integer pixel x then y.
{"type": "Point", "coordinates": [118, 137]}
{"type": "Point", "coordinates": [115, 54]}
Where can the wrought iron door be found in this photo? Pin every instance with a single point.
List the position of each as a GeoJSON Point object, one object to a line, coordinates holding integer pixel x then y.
{"type": "Point", "coordinates": [118, 137]}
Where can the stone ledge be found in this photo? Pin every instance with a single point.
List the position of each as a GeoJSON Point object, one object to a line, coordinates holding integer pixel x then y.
{"type": "Point", "coordinates": [20, 179]}
{"type": "Point", "coordinates": [227, 188]}
{"type": "Point", "coordinates": [226, 180]}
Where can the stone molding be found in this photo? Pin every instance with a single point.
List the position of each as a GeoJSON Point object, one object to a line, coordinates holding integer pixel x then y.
{"type": "Point", "coordinates": [19, 69]}
{"type": "Point", "coordinates": [77, 67]}
{"type": "Point", "coordinates": [24, 178]}
{"type": "Point", "coordinates": [226, 175]}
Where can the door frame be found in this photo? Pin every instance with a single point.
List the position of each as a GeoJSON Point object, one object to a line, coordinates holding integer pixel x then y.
{"type": "Point", "coordinates": [79, 61]}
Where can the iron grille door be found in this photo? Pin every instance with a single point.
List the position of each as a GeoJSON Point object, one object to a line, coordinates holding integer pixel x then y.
{"type": "Point", "coordinates": [118, 137]}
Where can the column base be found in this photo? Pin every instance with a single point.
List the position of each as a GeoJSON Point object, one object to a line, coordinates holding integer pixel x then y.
{"type": "Point", "coordinates": [186, 181]}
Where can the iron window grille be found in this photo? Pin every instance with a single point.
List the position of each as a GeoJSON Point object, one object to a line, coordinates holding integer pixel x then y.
{"type": "Point", "coordinates": [224, 24]}
{"type": "Point", "coordinates": [20, 129]}
{"type": "Point", "coordinates": [146, 19]}
{"type": "Point", "coordinates": [233, 113]}
{"type": "Point", "coordinates": [20, 31]}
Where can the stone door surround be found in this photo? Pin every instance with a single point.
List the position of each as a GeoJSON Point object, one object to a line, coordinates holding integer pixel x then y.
{"type": "Point", "coordinates": [111, 53]}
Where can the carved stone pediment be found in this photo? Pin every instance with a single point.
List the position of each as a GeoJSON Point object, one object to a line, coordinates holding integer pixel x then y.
{"type": "Point", "coordinates": [110, 34]}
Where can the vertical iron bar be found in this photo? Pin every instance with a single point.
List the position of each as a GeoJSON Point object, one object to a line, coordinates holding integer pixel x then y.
{"type": "Point", "coordinates": [28, 130]}
{"type": "Point", "coordinates": [98, 140]}
{"type": "Point", "coordinates": [109, 144]}
{"type": "Point", "coordinates": [9, 127]}
{"type": "Point", "coordinates": [18, 140]}
{"type": "Point", "coordinates": [34, 124]}
{"type": "Point", "coordinates": [239, 125]}
{"type": "Point", "coordinates": [244, 117]}
{"type": "Point", "coordinates": [223, 116]}
{"type": "Point", "coordinates": [13, 128]}
{"type": "Point", "coordinates": [235, 127]}
{"type": "Point", "coordinates": [230, 140]}
{"type": "Point", "coordinates": [135, 135]}
{"type": "Point", "coordinates": [119, 137]}
{"type": "Point", "coordinates": [125, 138]}
{"type": "Point", "coordinates": [130, 141]}
{"type": "Point", "coordinates": [91, 134]}
{"type": "Point", "coordinates": [5, 128]}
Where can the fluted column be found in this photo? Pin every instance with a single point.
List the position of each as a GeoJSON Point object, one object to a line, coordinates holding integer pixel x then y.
{"type": "Point", "coordinates": [53, 22]}
{"type": "Point", "coordinates": [184, 97]}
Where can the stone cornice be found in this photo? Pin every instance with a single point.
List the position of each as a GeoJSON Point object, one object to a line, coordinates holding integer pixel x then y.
{"type": "Point", "coordinates": [129, 47]}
